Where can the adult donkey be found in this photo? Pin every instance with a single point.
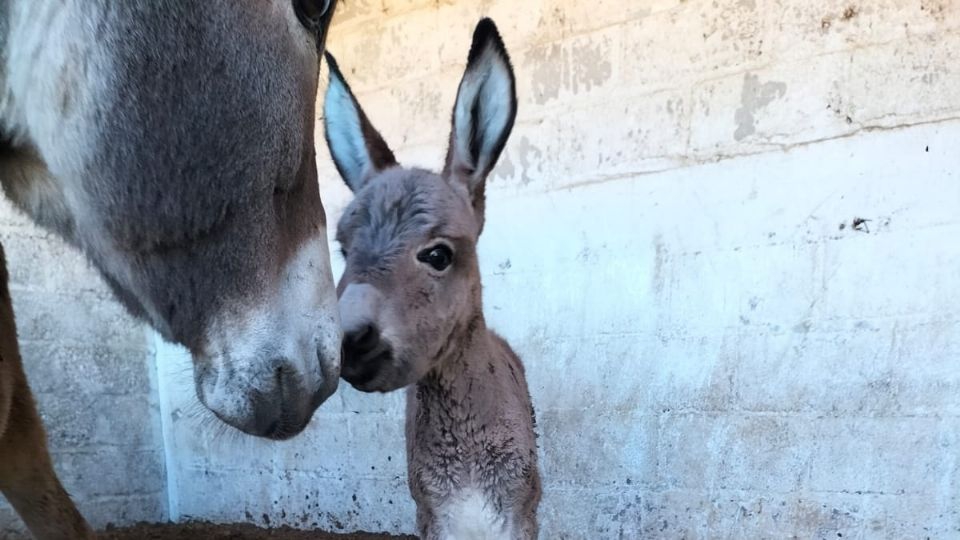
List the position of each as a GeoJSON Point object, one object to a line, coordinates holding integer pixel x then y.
{"type": "Point", "coordinates": [172, 142]}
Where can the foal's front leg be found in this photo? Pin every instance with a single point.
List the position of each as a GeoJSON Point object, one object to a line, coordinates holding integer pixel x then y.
{"type": "Point", "coordinates": [27, 478]}
{"type": "Point", "coordinates": [426, 523]}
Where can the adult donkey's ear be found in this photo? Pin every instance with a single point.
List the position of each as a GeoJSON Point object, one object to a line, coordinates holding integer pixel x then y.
{"type": "Point", "coordinates": [483, 115]}
{"type": "Point", "coordinates": [357, 148]}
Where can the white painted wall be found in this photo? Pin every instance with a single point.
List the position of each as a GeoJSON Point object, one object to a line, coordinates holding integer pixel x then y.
{"type": "Point", "coordinates": [93, 375]}
{"type": "Point", "coordinates": [713, 349]}
{"type": "Point", "coordinates": [709, 355]}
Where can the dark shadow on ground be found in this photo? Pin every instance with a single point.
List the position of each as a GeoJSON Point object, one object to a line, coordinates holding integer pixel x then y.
{"type": "Point", "coordinates": [209, 531]}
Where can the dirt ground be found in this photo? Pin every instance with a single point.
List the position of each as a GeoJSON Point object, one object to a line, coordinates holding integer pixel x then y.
{"type": "Point", "coordinates": [209, 531]}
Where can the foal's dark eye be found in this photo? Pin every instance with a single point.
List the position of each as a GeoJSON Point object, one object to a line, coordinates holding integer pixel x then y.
{"type": "Point", "coordinates": [439, 257]}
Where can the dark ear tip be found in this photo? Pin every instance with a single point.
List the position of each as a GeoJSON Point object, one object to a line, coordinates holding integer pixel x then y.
{"type": "Point", "coordinates": [486, 34]}
{"type": "Point", "coordinates": [335, 73]}
{"type": "Point", "coordinates": [332, 62]}
{"type": "Point", "coordinates": [486, 26]}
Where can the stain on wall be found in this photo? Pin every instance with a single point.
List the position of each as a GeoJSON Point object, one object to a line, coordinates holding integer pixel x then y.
{"type": "Point", "coordinates": [754, 97]}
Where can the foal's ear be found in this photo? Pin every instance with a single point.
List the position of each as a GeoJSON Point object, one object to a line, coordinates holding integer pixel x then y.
{"type": "Point", "coordinates": [357, 148]}
{"type": "Point", "coordinates": [484, 113]}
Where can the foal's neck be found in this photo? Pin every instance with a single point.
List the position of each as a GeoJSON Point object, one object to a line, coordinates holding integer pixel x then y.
{"type": "Point", "coordinates": [464, 363]}
{"type": "Point", "coordinates": [466, 349]}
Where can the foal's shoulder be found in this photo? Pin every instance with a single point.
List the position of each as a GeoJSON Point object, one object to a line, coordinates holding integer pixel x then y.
{"type": "Point", "coordinates": [514, 395]}
{"type": "Point", "coordinates": [502, 348]}
{"type": "Point", "coordinates": [505, 356]}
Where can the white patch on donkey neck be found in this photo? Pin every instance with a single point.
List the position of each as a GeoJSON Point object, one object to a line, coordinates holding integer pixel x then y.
{"type": "Point", "coordinates": [45, 43]}
{"type": "Point", "coordinates": [470, 516]}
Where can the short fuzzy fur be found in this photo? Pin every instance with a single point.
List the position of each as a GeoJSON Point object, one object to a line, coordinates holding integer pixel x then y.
{"type": "Point", "coordinates": [172, 142]}
{"type": "Point", "coordinates": [470, 425]}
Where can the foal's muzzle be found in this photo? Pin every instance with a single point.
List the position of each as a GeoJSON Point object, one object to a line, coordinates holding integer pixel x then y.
{"type": "Point", "coordinates": [365, 351]}
{"type": "Point", "coordinates": [365, 354]}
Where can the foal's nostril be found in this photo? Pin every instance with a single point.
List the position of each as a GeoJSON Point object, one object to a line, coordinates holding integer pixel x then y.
{"type": "Point", "coordinates": [362, 340]}
{"type": "Point", "coordinates": [369, 338]}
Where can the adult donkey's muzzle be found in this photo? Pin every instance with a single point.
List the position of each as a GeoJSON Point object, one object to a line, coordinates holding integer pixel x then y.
{"type": "Point", "coordinates": [277, 402]}
{"type": "Point", "coordinates": [266, 368]}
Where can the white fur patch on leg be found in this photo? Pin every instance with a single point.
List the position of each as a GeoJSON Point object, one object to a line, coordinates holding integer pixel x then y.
{"type": "Point", "coordinates": [469, 515]}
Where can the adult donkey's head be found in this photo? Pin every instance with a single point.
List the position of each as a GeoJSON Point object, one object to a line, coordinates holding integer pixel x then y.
{"type": "Point", "coordinates": [173, 142]}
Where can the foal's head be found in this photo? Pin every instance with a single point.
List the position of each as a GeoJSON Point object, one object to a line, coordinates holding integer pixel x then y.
{"type": "Point", "coordinates": [410, 294]}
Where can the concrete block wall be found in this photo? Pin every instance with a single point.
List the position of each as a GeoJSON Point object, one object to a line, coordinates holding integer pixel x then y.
{"type": "Point", "coordinates": [723, 240]}
{"type": "Point", "coordinates": [92, 371]}
{"type": "Point", "coordinates": [722, 237]}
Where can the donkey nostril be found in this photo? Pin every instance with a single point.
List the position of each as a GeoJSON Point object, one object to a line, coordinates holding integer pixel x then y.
{"type": "Point", "coordinates": [286, 380]}
{"type": "Point", "coordinates": [278, 373]}
{"type": "Point", "coordinates": [368, 339]}
{"type": "Point", "coordinates": [364, 339]}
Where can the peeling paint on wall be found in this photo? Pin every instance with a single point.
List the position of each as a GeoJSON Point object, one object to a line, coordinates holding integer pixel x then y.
{"type": "Point", "coordinates": [753, 98]}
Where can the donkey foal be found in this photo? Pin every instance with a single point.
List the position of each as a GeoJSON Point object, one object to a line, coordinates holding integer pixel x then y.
{"type": "Point", "coordinates": [410, 302]}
